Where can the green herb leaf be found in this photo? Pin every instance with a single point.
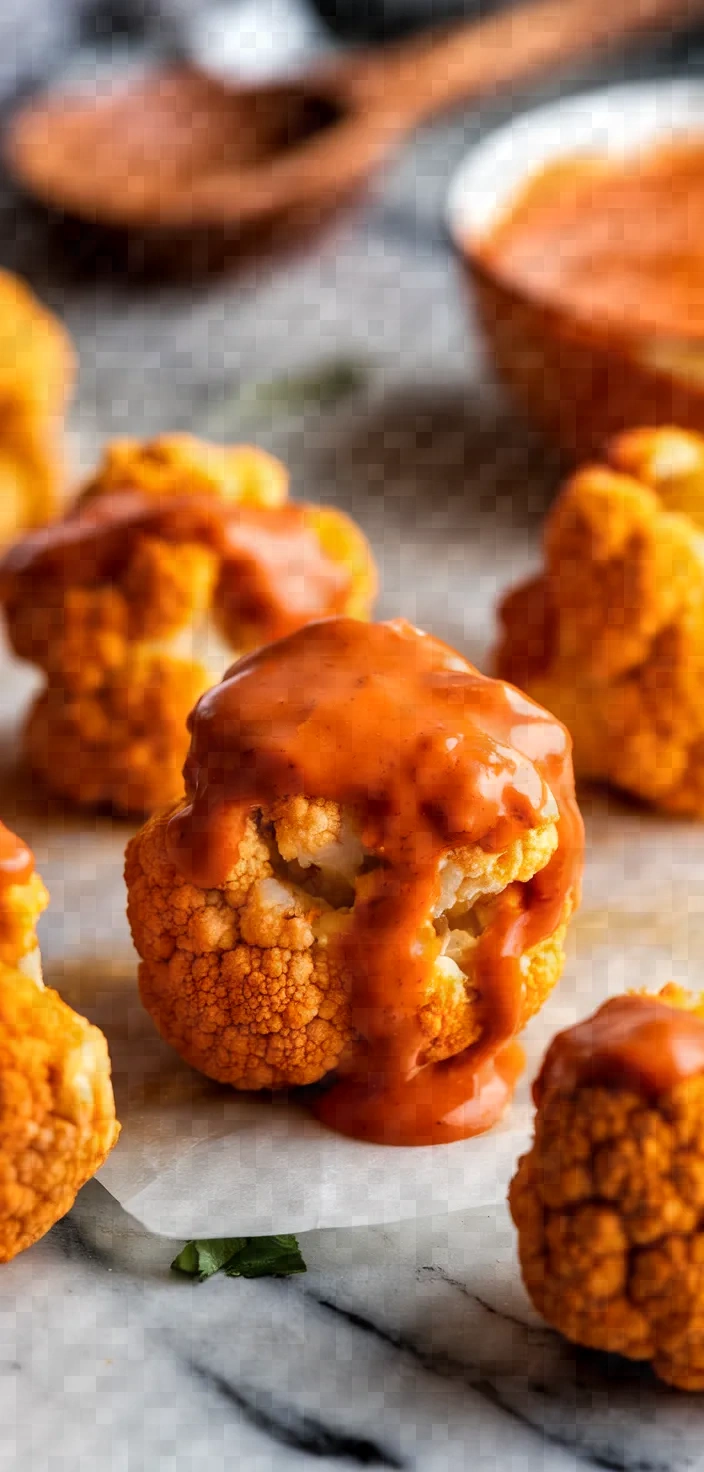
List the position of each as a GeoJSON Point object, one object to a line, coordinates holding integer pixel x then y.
{"type": "Point", "coordinates": [240, 1257]}
{"type": "Point", "coordinates": [263, 1257]}
{"type": "Point", "coordinates": [201, 1259]}
{"type": "Point", "coordinates": [187, 1260]}
{"type": "Point", "coordinates": [258, 404]}
{"type": "Point", "coordinates": [324, 385]}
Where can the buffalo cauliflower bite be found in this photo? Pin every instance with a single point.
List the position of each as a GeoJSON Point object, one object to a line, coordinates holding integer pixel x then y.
{"type": "Point", "coordinates": [36, 375]}
{"type": "Point", "coordinates": [611, 635]}
{"type": "Point", "coordinates": [243, 980]}
{"type": "Point", "coordinates": [57, 1113]}
{"type": "Point", "coordinates": [252, 973]}
{"type": "Point", "coordinates": [609, 1201]}
{"type": "Point", "coordinates": [177, 558]}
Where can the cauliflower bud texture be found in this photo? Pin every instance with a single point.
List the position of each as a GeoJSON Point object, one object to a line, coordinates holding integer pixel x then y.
{"type": "Point", "coordinates": [244, 981]}
{"type": "Point", "coordinates": [251, 975]}
{"type": "Point", "coordinates": [36, 376]}
{"type": "Point", "coordinates": [177, 557]}
{"type": "Point", "coordinates": [57, 1113]}
{"type": "Point", "coordinates": [611, 635]}
{"type": "Point", "coordinates": [609, 1201]}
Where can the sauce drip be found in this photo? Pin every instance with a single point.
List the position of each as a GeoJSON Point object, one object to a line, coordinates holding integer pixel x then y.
{"type": "Point", "coordinates": [619, 243]}
{"type": "Point", "coordinates": [274, 573]}
{"type": "Point", "coordinates": [428, 755]}
{"type": "Point", "coordinates": [16, 859]}
{"type": "Point", "coordinates": [637, 1043]}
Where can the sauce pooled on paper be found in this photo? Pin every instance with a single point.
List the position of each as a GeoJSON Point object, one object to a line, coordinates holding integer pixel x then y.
{"type": "Point", "coordinates": [427, 755]}
{"type": "Point", "coordinates": [617, 242]}
{"type": "Point", "coordinates": [632, 1042]}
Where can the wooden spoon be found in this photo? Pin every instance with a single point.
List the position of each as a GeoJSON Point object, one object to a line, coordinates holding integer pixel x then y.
{"type": "Point", "coordinates": [176, 151]}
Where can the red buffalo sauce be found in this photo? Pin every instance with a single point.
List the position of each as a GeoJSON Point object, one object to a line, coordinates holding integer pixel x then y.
{"type": "Point", "coordinates": [274, 572]}
{"type": "Point", "coordinates": [427, 754]}
{"type": "Point", "coordinates": [638, 1043]}
{"type": "Point", "coordinates": [16, 859]}
{"type": "Point", "coordinates": [619, 243]}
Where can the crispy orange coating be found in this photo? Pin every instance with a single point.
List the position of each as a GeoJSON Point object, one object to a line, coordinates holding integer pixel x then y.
{"type": "Point", "coordinates": [609, 1207]}
{"type": "Point", "coordinates": [21, 906]}
{"type": "Point", "coordinates": [611, 635]}
{"type": "Point", "coordinates": [36, 376]}
{"type": "Point", "coordinates": [121, 744]}
{"type": "Point", "coordinates": [233, 977]}
{"type": "Point", "coordinates": [21, 903]}
{"type": "Point", "coordinates": [127, 655]}
{"type": "Point", "coordinates": [180, 464]}
{"type": "Point", "coordinates": [241, 980]}
{"type": "Point", "coordinates": [57, 1113]}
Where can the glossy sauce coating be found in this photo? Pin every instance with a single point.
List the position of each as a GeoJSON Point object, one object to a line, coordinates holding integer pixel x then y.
{"type": "Point", "coordinates": [428, 755]}
{"type": "Point", "coordinates": [274, 573]}
{"type": "Point", "coordinates": [620, 243]}
{"type": "Point", "coordinates": [633, 1042]}
{"type": "Point", "coordinates": [16, 859]}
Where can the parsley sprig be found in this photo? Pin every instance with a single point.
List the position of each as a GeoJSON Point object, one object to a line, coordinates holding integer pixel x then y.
{"type": "Point", "coordinates": [256, 406]}
{"type": "Point", "coordinates": [240, 1257]}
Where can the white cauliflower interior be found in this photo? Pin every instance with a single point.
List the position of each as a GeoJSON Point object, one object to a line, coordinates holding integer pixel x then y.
{"type": "Point", "coordinates": [246, 980]}
{"type": "Point", "coordinates": [317, 852]}
{"type": "Point", "coordinates": [31, 966]}
{"type": "Point", "coordinates": [200, 641]}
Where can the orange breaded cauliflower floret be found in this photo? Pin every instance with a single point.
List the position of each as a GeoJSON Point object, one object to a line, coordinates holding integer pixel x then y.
{"type": "Point", "coordinates": [365, 875]}
{"type": "Point", "coordinates": [609, 1201]}
{"type": "Point", "coordinates": [242, 980]}
{"type": "Point", "coordinates": [178, 557]}
{"type": "Point", "coordinates": [57, 1113]}
{"type": "Point", "coordinates": [36, 376]}
{"type": "Point", "coordinates": [611, 635]}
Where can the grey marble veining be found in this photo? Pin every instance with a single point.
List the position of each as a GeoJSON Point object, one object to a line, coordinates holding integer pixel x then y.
{"type": "Point", "coordinates": [410, 1347]}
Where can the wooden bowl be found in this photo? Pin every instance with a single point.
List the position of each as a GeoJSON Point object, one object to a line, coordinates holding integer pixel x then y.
{"type": "Point", "coordinates": [577, 383]}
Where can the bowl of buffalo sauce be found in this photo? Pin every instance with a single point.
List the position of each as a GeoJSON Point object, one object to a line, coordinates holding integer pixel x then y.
{"type": "Point", "coordinates": [580, 227]}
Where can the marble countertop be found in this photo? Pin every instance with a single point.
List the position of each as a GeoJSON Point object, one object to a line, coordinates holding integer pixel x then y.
{"type": "Point", "coordinates": [409, 1347]}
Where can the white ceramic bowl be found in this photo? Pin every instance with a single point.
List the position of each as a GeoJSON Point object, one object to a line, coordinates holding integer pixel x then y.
{"type": "Point", "coordinates": [578, 384]}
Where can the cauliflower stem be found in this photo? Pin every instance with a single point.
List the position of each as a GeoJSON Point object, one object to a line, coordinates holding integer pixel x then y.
{"type": "Point", "coordinates": [57, 1113]}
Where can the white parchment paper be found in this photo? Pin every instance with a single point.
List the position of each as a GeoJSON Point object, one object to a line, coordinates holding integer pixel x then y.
{"type": "Point", "coordinates": [195, 1159]}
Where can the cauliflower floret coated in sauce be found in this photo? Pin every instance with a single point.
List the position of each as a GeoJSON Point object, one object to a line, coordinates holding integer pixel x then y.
{"type": "Point", "coordinates": [177, 557]}
{"type": "Point", "coordinates": [609, 1201]}
{"type": "Point", "coordinates": [286, 935]}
